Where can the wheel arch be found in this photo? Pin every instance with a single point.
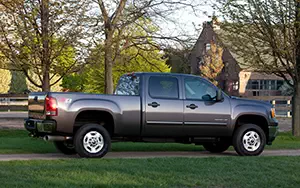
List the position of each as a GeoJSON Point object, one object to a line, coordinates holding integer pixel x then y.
{"type": "Point", "coordinates": [255, 119]}
{"type": "Point", "coordinates": [103, 118]}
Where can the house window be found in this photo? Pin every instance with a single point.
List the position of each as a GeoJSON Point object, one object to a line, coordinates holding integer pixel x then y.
{"type": "Point", "coordinates": [255, 93]}
{"type": "Point", "coordinates": [263, 84]}
{"type": "Point", "coordinates": [236, 86]}
{"type": "Point", "coordinates": [207, 46]}
{"type": "Point", "coordinates": [272, 85]}
{"type": "Point", "coordinates": [279, 84]}
{"type": "Point", "coordinates": [200, 61]}
{"type": "Point", "coordinates": [253, 84]}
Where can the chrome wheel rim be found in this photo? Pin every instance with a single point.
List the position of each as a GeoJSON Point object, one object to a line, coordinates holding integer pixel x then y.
{"type": "Point", "coordinates": [251, 141]}
{"type": "Point", "coordinates": [93, 142]}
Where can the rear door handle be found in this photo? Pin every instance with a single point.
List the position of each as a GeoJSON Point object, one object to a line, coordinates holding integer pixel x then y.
{"type": "Point", "coordinates": [192, 106]}
{"type": "Point", "coordinates": [154, 104]}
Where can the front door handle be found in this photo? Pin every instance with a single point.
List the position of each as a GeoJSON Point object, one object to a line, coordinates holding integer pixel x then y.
{"type": "Point", "coordinates": [192, 106]}
{"type": "Point", "coordinates": [154, 104]}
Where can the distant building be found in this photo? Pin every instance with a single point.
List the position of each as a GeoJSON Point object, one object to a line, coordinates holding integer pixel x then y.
{"type": "Point", "coordinates": [255, 84]}
{"type": "Point", "coordinates": [229, 77]}
{"type": "Point", "coordinates": [234, 79]}
{"type": "Point", "coordinates": [237, 80]}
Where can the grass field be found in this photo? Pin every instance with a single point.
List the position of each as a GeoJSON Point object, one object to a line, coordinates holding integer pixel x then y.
{"type": "Point", "coordinates": [17, 141]}
{"type": "Point", "coordinates": [155, 172]}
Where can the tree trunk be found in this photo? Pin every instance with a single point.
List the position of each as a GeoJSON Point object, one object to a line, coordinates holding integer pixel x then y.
{"type": "Point", "coordinates": [45, 42]}
{"type": "Point", "coordinates": [46, 82]}
{"type": "Point", "coordinates": [296, 110]}
{"type": "Point", "coordinates": [109, 84]}
{"type": "Point", "coordinates": [296, 80]}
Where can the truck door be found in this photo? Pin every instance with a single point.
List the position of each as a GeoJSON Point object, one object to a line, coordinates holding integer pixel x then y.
{"type": "Point", "coordinates": [164, 106]}
{"type": "Point", "coordinates": [203, 115]}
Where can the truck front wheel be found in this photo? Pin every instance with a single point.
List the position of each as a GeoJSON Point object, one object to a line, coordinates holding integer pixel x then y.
{"type": "Point", "coordinates": [217, 147]}
{"type": "Point", "coordinates": [92, 140]}
{"type": "Point", "coordinates": [249, 140]}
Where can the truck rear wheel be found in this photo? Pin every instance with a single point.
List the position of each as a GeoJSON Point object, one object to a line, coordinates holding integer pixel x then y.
{"type": "Point", "coordinates": [92, 140]}
{"type": "Point", "coordinates": [217, 147]}
{"type": "Point", "coordinates": [249, 140]}
{"type": "Point", "coordinates": [65, 147]}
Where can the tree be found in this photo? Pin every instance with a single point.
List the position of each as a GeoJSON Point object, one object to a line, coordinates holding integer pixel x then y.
{"type": "Point", "coordinates": [265, 34]}
{"type": "Point", "coordinates": [286, 89]}
{"type": "Point", "coordinates": [17, 83]}
{"type": "Point", "coordinates": [117, 16]}
{"type": "Point", "coordinates": [92, 79]}
{"type": "Point", "coordinates": [213, 63]}
{"type": "Point", "coordinates": [178, 60]}
{"type": "Point", "coordinates": [5, 78]}
{"type": "Point", "coordinates": [73, 82]}
{"type": "Point", "coordinates": [37, 35]}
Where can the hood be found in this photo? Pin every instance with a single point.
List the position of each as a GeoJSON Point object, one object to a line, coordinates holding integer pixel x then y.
{"type": "Point", "coordinates": [251, 102]}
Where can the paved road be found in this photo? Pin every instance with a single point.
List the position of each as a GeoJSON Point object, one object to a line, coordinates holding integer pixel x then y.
{"type": "Point", "coordinates": [53, 156]}
{"type": "Point", "coordinates": [14, 115]}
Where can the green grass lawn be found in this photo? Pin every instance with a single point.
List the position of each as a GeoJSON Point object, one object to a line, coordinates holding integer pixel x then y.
{"type": "Point", "coordinates": [17, 141]}
{"type": "Point", "coordinates": [155, 172]}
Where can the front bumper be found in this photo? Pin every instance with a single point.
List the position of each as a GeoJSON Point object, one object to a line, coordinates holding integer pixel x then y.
{"type": "Point", "coordinates": [36, 126]}
{"type": "Point", "coordinates": [273, 131]}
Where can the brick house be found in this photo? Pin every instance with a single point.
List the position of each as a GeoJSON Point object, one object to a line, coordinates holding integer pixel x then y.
{"type": "Point", "coordinates": [235, 79]}
{"type": "Point", "coordinates": [228, 79]}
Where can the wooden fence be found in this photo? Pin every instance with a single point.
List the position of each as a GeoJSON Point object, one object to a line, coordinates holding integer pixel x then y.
{"type": "Point", "coordinates": [13, 102]}
{"type": "Point", "coordinates": [18, 102]}
{"type": "Point", "coordinates": [283, 108]}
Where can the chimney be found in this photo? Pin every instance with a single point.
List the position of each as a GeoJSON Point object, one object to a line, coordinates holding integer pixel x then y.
{"type": "Point", "coordinates": [215, 23]}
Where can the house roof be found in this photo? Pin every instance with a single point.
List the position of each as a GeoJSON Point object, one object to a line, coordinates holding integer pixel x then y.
{"type": "Point", "coordinates": [207, 35]}
{"type": "Point", "coordinates": [227, 34]}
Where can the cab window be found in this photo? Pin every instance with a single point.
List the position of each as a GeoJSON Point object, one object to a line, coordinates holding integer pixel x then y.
{"type": "Point", "coordinates": [163, 87]}
{"type": "Point", "coordinates": [128, 85]}
{"type": "Point", "coordinates": [198, 89]}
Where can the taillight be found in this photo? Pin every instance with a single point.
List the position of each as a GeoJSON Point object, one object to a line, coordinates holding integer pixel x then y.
{"type": "Point", "coordinates": [51, 106]}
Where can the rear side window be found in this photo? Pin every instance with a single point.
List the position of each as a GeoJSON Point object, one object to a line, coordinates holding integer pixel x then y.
{"type": "Point", "coordinates": [128, 85]}
{"type": "Point", "coordinates": [163, 87]}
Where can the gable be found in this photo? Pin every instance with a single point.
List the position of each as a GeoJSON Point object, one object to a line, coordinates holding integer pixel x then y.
{"type": "Point", "coordinates": [207, 35]}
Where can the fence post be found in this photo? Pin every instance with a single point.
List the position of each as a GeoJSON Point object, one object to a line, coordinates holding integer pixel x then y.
{"type": "Point", "coordinates": [273, 103]}
{"type": "Point", "coordinates": [8, 103]}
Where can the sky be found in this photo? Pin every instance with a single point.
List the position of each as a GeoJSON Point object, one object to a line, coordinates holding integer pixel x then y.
{"type": "Point", "coordinates": [187, 22]}
{"type": "Point", "coordinates": [190, 21]}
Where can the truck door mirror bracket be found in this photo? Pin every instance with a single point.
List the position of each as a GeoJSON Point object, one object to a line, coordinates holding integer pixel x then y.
{"type": "Point", "coordinates": [219, 96]}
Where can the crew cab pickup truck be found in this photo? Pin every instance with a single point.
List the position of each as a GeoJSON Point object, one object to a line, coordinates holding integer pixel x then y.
{"type": "Point", "coordinates": [152, 107]}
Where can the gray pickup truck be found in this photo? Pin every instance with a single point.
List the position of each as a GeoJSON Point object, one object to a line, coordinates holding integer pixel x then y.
{"type": "Point", "coordinates": [152, 107]}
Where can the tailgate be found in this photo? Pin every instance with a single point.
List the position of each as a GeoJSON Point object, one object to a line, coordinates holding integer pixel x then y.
{"type": "Point", "coordinates": [36, 105]}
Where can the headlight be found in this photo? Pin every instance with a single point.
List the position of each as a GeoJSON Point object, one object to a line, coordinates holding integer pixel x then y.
{"type": "Point", "coordinates": [272, 112]}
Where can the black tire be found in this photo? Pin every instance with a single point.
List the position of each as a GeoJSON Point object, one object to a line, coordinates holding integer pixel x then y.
{"type": "Point", "coordinates": [217, 147]}
{"type": "Point", "coordinates": [245, 144]}
{"type": "Point", "coordinates": [65, 147]}
{"type": "Point", "coordinates": [89, 132]}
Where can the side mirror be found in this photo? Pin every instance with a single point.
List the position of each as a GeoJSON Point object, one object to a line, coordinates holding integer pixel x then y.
{"type": "Point", "coordinates": [219, 96]}
{"type": "Point", "coordinates": [206, 97]}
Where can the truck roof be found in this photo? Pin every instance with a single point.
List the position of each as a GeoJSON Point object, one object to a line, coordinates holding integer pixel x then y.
{"type": "Point", "coordinates": [162, 73]}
